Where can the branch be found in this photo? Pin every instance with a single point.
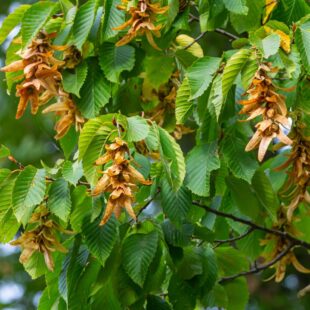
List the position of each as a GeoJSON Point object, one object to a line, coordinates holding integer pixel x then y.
{"type": "Point", "coordinates": [283, 234]}
{"type": "Point", "coordinates": [257, 269]}
{"type": "Point", "coordinates": [195, 40]}
{"type": "Point", "coordinates": [219, 242]}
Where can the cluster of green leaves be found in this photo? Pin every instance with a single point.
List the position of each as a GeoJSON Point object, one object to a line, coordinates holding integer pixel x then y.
{"type": "Point", "coordinates": [167, 260]}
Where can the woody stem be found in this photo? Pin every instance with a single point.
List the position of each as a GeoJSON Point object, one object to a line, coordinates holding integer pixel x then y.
{"type": "Point", "coordinates": [283, 234]}
{"type": "Point", "coordinates": [257, 269]}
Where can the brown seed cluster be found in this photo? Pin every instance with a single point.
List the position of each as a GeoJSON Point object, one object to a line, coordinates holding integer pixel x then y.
{"type": "Point", "coordinates": [120, 180]}
{"type": "Point", "coordinates": [41, 239]}
{"type": "Point", "coordinates": [142, 21]}
{"type": "Point", "coordinates": [42, 81]}
{"type": "Point", "coordinates": [264, 101]}
{"type": "Point", "coordinates": [277, 245]}
{"type": "Point", "coordinates": [295, 187]}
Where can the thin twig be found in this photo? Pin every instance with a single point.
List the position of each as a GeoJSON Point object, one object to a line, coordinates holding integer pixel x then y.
{"type": "Point", "coordinates": [16, 162]}
{"type": "Point", "coordinates": [195, 40]}
{"type": "Point", "coordinates": [256, 268]}
{"type": "Point", "coordinates": [255, 226]}
{"type": "Point", "coordinates": [219, 242]}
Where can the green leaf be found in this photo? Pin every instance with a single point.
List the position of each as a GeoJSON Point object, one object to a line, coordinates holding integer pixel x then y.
{"type": "Point", "coordinates": [83, 23]}
{"type": "Point", "coordinates": [59, 201]}
{"type": "Point", "coordinates": [302, 38]}
{"type": "Point", "coordinates": [137, 130]}
{"type": "Point", "coordinates": [250, 21]}
{"type": "Point", "coordinates": [9, 226]}
{"type": "Point", "coordinates": [248, 73]}
{"type": "Point", "coordinates": [74, 79]}
{"type": "Point", "coordinates": [231, 261]}
{"type": "Point", "coordinates": [216, 99]}
{"type": "Point", "coordinates": [114, 60]}
{"type": "Point", "coordinates": [181, 295]}
{"type": "Point", "coordinates": [236, 6]}
{"type": "Point", "coordinates": [183, 105]}
{"type": "Point", "coordinates": [247, 203]}
{"type": "Point", "coordinates": [200, 162]}
{"type": "Point", "coordinates": [232, 69]}
{"type": "Point", "coordinates": [68, 143]}
{"type": "Point", "coordinates": [11, 21]}
{"type": "Point", "coordinates": [4, 151]}
{"type": "Point", "coordinates": [266, 194]}
{"type": "Point", "coordinates": [91, 144]}
{"type": "Point", "coordinates": [155, 76]}
{"type": "Point", "coordinates": [72, 172]}
{"type": "Point", "coordinates": [96, 91]}
{"type": "Point", "coordinates": [112, 18]}
{"type": "Point", "coordinates": [290, 11]}
{"type": "Point", "coordinates": [238, 294]}
{"type": "Point", "coordinates": [138, 253]}
{"type": "Point", "coordinates": [35, 265]}
{"type": "Point", "coordinates": [191, 263]}
{"type": "Point", "coordinates": [271, 44]}
{"type": "Point", "coordinates": [100, 239]}
{"type": "Point", "coordinates": [175, 204]}
{"type": "Point", "coordinates": [239, 162]}
{"type": "Point", "coordinates": [29, 191]}
{"type": "Point", "coordinates": [204, 12]}
{"type": "Point", "coordinates": [173, 159]}
{"type": "Point", "coordinates": [200, 75]}
{"type": "Point", "coordinates": [35, 18]}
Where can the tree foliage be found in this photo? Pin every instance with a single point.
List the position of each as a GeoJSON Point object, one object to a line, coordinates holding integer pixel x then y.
{"type": "Point", "coordinates": [182, 172]}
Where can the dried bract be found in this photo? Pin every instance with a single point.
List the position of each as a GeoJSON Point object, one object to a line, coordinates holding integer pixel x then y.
{"type": "Point", "coordinates": [120, 180]}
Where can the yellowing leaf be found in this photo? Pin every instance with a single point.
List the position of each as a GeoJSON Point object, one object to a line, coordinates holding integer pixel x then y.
{"type": "Point", "coordinates": [184, 40]}
{"type": "Point", "coordinates": [269, 7]}
{"type": "Point", "coordinates": [285, 42]}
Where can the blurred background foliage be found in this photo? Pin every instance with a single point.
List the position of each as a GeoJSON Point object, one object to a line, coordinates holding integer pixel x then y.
{"type": "Point", "coordinates": [31, 141]}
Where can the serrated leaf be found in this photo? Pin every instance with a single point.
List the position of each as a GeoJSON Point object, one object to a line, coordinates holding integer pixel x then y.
{"type": "Point", "coordinates": [35, 265]}
{"type": "Point", "coordinates": [137, 130]}
{"type": "Point", "coordinates": [200, 75]}
{"type": "Point", "coordinates": [74, 79]}
{"type": "Point", "coordinates": [172, 156]}
{"type": "Point", "coordinates": [240, 163]}
{"type": "Point", "coordinates": [158, 77]}
{"type": "Point", "coordinates": [113, 17]}
{"type": "Point", "coordinates": [232, 69]}
{"type": "Point", "coordinates": [29, 191]}
{"type": "Point", "coordinates": [248, 73]}
{"type": "Point", "coordinates": [250, 21]}
{"type": "Point", "coordinates": [183, 105]}
{"type": "Point", "coordinates": [11, 21]}
{"type": "Point", "coordinates": [96, 91]}
{"type": "Point", "coordinates": [138, 252]}
{"type": "Point", "coordinates": [100, 239]}
{"type": "Point", "coordinates": [264, 192]}
{"type": "Point", "coordinates": [59, 201]}
{"type": "Point", "coordinates": [83, 23]}
{"type": "Point", "coordinates": [302, 38]}
{"type": "Point", "coordinates": [236, 6]}
{"type": "Point", "coordinates": [175, 204]}
{"type": "Point", "coordinates": [271, 45]}
{"type": "Point", "coordinates": [216, 98]}
{"type": "Point", "coordinates": [114, 60]}
{"type": "Point", "coordinates": [91, 144]}
{"type": "Point", "coordinates": [72, 172]}
{"type": "Point", "coordinates": [9, 226]}
{"type": "Point", "coordinates": [200, 162]}
{"type": "Point", "coordinates": [34, 20]}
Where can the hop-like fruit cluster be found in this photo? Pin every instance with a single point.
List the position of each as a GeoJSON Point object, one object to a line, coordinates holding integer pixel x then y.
{"type": "Point", "coordinates": [295, 187]}
{"type": "Point", "coordinates": [264, 101]}
{"type": "Point", "coordinates": [42, 82]}
{"type": "Point", "coordinates": [41, 239]}
{"type": "Point", "coordinates": [120, 180]}
{"type": "Point", "coordinates": [141, 22]}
